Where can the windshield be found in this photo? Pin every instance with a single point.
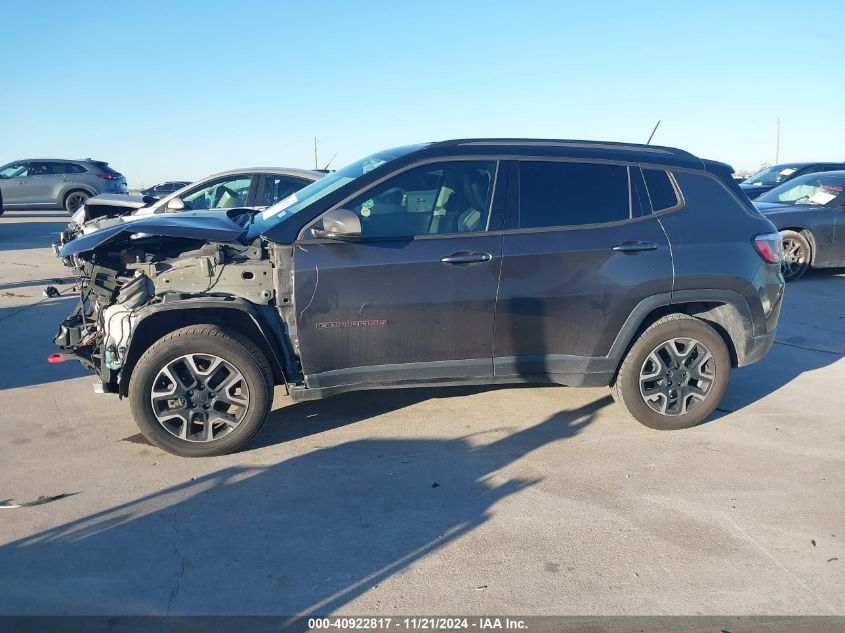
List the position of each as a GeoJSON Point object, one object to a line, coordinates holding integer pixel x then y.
{"type": "Point", "coordinates": [812, 189]}
{"type": "Point", "coordinates": [307, 196]}
{"type": "Point", "coordinates": [771, 176]}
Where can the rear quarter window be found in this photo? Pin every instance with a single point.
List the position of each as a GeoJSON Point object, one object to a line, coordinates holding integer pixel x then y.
{"type": "Point", "coordinates": [710, 192]}
{"type": "Point", "coordinates": [661, 191]}
{"type": "Point", "coordinates": [568, 193]}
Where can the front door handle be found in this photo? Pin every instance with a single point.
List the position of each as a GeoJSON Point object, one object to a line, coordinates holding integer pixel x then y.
{"type": "Point", "coordinates": [635, 247]}
{"type": "Point", "coordinates": [466, 258]}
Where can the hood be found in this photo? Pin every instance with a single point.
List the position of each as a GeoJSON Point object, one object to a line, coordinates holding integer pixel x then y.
{"type": "Point", "coordinates": [210, 226]}
{"type": "Point", "coordinates": [752, 191]}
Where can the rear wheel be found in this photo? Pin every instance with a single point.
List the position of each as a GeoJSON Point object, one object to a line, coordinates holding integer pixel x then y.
{"type": "Point", "coordinates": [200, 391]}
{"type": "Point", "coordinates": [74, 200]}
{"type": "Point", "coordinates": [796, 255]}
{"type": "Point", "coordinates": [674, 375]}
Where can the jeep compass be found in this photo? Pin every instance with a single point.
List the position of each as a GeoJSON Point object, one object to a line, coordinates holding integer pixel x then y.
{"type": "Point", "coordinates": [473, 261]}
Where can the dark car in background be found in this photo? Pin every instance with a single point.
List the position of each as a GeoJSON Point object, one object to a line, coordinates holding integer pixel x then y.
{"type": "Point", "coordinates": [809, 211]}
{"type": "Point", "coordinates": [771, 177]}
{"type": "Point", "coordinates": [56, 183]}
{"type": "Point", "coordinates": [165, 188]}
{"type": "Point", "coordinates": [642, 268]}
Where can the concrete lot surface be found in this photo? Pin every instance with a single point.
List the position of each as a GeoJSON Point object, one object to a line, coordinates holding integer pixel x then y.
{"type": "Point", "coordinates": [449, 501]}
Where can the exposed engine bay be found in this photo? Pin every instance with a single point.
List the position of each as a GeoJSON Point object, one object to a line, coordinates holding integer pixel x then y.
{"type": "Point", "coordinates": [124, 279]}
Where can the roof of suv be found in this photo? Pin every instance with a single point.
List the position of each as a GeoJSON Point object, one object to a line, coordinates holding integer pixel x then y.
{"type": "Point", "coordinates": [572, 147]}
{"type": "Point", "coordinates": [64, 160]}
{"type": "Point", "coordinates": [282, 171]}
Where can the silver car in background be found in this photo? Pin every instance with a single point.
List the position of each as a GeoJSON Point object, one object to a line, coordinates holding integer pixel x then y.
{"type": "Point", "coordinates": [56, 183]}
{"type": "Point", "coordinates": [255, 188]}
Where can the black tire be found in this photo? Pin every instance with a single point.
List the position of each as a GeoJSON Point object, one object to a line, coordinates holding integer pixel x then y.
{"type": "Point", "coordinates": [211, 340]}
{"type": "Point", "coordinates": [626, 387]}
{"type": "Point", "coordinates": [797, 255]}
{"type": "Point", "coordinates": [75, 199]}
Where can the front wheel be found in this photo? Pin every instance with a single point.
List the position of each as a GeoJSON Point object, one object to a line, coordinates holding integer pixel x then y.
{"type": "Point", "coordinates": [201, 391]}
{"type": "Point", "coordinates": [796, 255]}
{"type": "Point", "coordinates": [674, 375]}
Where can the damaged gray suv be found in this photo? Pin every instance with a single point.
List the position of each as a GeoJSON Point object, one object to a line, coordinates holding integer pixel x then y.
{"type": "Point", "coordinates": [481, 261]}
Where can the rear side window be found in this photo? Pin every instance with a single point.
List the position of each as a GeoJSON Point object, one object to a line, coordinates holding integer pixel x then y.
{"type": "Point", "coordinates": [280, 187]}
{"type": "Point", "coordinates": [661, 192]}
{"type": "Point", "coordinates": [564, 194]}
{"type": "Point", "coordinates": [73, 168]}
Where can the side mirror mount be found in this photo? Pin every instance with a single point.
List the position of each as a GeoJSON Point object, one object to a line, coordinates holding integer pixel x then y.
{"type": "Point", "coordinates": [339, 224]}
{"type": "Point", "coordinates": [176, 204]}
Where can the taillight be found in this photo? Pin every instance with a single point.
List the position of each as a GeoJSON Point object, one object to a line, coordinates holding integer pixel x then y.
{"type": "Point", "coordinates": [106, 176]}
{"type": "Point", "coordinates": [770, 247]}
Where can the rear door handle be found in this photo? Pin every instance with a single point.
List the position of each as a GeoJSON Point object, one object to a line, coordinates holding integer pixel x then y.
{"type": "Point", "coordinates": [635, 247]}
{"type": "Point", "coordinates": [466, 258]}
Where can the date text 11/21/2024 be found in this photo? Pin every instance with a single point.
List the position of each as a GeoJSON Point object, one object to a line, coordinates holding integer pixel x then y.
{"type": "Point", "coordinates": [418, 623]}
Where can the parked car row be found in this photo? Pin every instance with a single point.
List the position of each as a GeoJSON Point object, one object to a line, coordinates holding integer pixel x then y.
{"type": "Point", "coordinates": [642, 268]}
{"type": "Point", "coordinates": [57, 183]}
{"type": "Point", "coordinates": [809, 211]}
{"type": "Point", "coordinates": [776, 175]}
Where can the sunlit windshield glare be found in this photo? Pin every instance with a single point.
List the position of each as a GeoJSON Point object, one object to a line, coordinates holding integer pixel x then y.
{"type": "Point", "coordinates": [323, 187]}
{"type": "Point", "coordinates": [771, 176]}
{"type": "Point", "coordinates": [812, 189]}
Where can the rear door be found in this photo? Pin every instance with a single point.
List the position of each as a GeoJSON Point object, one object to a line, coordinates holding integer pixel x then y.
{"type": "Point", "coordinates": [581, 250]}
{"type": "Point", "coordinates": [414, 298]}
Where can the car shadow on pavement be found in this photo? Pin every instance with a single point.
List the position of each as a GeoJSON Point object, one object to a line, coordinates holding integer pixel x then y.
{"type": "Point", "coordinates": [26, 340]}
{"type": "Point", "coordinates": [303, 536]}
{"type": "Point", "coordinates": [811, 335]}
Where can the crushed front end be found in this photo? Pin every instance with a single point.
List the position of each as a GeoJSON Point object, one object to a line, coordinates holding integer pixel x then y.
{"type": "Point", "coordinates": [124, 276]}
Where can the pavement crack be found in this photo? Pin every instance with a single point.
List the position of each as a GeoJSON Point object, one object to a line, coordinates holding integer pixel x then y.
{"type": "Point", "coordinates": [779, 564]}
{"type": "Point", "coordinates": [808, 349]}
{"type": "Point", "coordinates": [177, 585]}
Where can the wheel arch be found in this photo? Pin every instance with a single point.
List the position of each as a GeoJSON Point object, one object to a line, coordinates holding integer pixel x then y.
{"type": "Point", "coordinates": [725, 311]}
{"type": "Point", "coordinates": [73, 188]}
{"type": "Point", "coordinates": [807, 233]}
{"type": "Point", "coordinates": [158, 320]}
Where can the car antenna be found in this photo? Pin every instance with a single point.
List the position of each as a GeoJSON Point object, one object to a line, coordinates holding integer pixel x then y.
{"type": "Point", "coordinates": [326, 168]}
{"type": "Point", "coordinates": [651, 136]}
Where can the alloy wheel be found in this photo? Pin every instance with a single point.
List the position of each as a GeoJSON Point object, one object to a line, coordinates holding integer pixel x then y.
{"type": "Point", "coordinates": [75, 200]}
{"type": "Point", "coordinates": [199, 397]}
{"type": "Point", "coordinates": [794, 258]}
{"type": "Point", "coordinates": [677, 376]}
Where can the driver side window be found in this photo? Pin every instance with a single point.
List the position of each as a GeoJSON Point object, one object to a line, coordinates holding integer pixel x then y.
{"type": "Point", "coordinates": [228, 192]}
{"type": "Point", "coordinates": [440, 198]}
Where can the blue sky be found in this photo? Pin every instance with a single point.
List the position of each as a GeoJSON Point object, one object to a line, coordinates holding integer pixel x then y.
{"type": "Point", "coordinates": [172, 90]}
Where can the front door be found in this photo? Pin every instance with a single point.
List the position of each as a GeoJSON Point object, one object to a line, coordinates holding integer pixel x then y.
{"type": "Point", "coordinates": [414, 298]}
{"type": "Point", "coordinates": [580, 252]}
{"type": "Point", "coordinates": [15, 183]}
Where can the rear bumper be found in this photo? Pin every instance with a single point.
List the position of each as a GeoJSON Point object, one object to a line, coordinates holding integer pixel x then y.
{"type": "Point", "coordinates": [756, 348]}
